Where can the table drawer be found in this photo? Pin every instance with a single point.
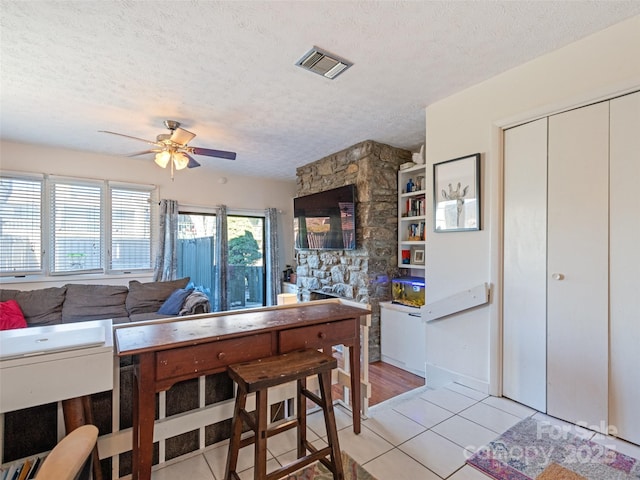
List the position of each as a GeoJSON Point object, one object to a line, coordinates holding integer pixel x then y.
{"type": "Point", "coordinates": [211, 356]}
{"type": "Point", "coordinates": [320, 335]}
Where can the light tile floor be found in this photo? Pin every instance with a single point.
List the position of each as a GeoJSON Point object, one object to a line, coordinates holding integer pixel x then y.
{"type": "Point", "coordinates": [422, 435]}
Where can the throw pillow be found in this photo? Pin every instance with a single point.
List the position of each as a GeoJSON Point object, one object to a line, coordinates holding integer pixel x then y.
{"type": "Point", "coordinates": [173, 304]}
{"type": "Point", "coordinates": [11, 316]}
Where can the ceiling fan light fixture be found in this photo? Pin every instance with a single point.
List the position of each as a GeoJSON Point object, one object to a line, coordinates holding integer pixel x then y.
{"type": "Point", "coordinates": [181, 136]}
{"type": "Point", "coordinates": [162, 159]}
{"type": "Point", "coordinates": [180, 160]}
{"type": "Point", "coordinates": [171, 149]}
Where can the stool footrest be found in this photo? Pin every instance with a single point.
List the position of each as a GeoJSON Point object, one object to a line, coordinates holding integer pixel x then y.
{"type": "Point", "coordinates": [299, 463]}
{"type": "Point", "coordinates": [282, 426]}
{"type": "Point", "coordinates": [328, 464]}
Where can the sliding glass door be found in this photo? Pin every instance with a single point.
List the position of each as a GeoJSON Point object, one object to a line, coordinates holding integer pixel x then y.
{"type": "Point", "coordinates": [196, 252]}
{"type": "Point", "coordinates": [245, 268]}
{"type": "Point", "coordinates": [246, 265]}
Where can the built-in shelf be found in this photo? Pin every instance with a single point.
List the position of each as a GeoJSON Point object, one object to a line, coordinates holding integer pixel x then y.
{"type": "Point", "coordinates": [412, 216]}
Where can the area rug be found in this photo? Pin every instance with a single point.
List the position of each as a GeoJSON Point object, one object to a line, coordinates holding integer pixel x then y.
{"type": "Point", "coordinates": [533, 450]}
{"type": "Point", "coordinates": [317, 471]}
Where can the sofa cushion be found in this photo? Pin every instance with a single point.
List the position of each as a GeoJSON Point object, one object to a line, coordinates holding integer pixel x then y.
{"type": "Point", "coordinates": [6, 294]}
{"type": "Point", "coordinates": [149, 297]}
{"type": "Point", "coordinates": [11, 316]}
{"type": "Point", "coordinates": [94, 302]}
{"type": "Point", "coordinates": [40, 307]}
{"type": "Point", "coordinates": [173, 304]}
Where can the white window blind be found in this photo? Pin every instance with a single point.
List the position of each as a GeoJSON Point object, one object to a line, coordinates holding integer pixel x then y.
{"type": "Point", "coordinates": [20, 225]}
{"type": "Point", "coordinates": [130, 229]}
{"type": "Point", "coordinates": [76, 227]}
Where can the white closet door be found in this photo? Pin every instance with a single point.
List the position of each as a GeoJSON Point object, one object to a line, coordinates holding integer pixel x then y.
{"type": "Point", "coordinates": [525, 253]}
{"type": "Point", "coordinates": [624, 396]}
{"type": "Point", "coordinates": [577, 265]}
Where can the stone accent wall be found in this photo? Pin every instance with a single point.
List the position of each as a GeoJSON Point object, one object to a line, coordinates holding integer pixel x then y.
{"type": "Point", "coordinates": [363, 274]}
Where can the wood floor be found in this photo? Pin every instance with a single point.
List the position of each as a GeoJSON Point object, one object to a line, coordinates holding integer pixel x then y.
{"type": "Point", "coordinates": [387, 382]}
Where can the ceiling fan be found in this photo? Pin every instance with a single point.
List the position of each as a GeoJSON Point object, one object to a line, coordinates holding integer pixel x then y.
{"type": "Point", "coordinates": [173, 149]}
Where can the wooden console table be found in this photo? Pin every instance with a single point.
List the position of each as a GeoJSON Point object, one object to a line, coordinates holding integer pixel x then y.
{"type": "Point", "coordinates": [173, 351]}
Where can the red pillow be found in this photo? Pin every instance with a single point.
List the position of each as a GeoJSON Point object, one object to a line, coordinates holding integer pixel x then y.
{"type": "Point", "coordinates": [11, 316]}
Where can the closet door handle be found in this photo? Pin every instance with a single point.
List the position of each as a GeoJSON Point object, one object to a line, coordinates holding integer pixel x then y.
{"type": "Point", "coordinates": [558, 276]}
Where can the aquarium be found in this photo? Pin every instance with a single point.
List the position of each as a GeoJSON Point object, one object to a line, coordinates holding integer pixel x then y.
{"type": "Point", "coordinates": [408, 291]}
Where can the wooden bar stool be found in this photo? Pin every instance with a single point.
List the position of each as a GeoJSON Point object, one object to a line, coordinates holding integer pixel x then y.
{"type": "Point", "coordinates": [257, 376]}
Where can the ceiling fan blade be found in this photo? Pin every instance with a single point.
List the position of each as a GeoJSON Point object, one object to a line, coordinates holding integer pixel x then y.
{"type": "Point", "coordinates": [192, 162]}
{"type": "Point", "coordinates": [181, 136]}
{"type": "Point", "coordinates": [129, 136]}
{"type": "Point", "coordinates": [144, 152]}
{"type": "Point", "coordinates": [214, 153]}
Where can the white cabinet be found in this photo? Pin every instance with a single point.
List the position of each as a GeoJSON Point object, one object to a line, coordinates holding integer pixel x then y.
{"type": "Point", "coordinates": [403, 337]}
{"type": "Point", "coordinates": [571, 265]}
{"type": "Point", "coordinates": [39, 378]}
{"type": "Point", "coordinates": [412, 205]}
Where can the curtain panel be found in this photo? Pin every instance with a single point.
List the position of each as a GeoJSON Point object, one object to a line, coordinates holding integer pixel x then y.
{"type": "Point", "coordinates": [220, 297]}
{"type": "Point", "coordinates": [272, 251]}
{"type": "Point", "coordinates": [166, 264]}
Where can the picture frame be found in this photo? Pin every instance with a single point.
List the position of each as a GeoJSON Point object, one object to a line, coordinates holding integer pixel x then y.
{"type": "Point", "coordinates": [417, 256]}
{"type": "Point", "coordinates": [456, 194]}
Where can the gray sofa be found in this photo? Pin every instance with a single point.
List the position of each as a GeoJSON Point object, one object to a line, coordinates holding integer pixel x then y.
{"type": "Point", "coordinates": [83, 302]}
{"type": "Point", "coordinates": [34, 430]}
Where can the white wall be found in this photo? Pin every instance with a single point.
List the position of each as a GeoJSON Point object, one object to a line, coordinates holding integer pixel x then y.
{"type": "Point", "coordinates": [467, 346]}
{"type": "Point", "coordinates": [199, 187]}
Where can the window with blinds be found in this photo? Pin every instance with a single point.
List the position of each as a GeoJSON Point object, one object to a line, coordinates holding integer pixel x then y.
{"type": "Point", "coordinates": [84, 226]}
{"type": "Point", "coordinates": [130, 229]}
{"type": "Point", "coordinates": [76, 227]}
{"type": "Point", "coordinates": [20, 225]}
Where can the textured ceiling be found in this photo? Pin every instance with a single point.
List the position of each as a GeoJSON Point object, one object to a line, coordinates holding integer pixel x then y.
{"type": "Point", "coordinates": [226, 69]}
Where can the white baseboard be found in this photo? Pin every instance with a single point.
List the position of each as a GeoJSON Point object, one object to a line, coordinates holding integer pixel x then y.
{"type": "Point", "coordinates": [402, 365]}
{"type": "Point", "coordinates": [438, 377]}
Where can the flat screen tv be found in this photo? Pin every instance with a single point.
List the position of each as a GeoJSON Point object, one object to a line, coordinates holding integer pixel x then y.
{"type": "Point", "coordinates": [326, 220]}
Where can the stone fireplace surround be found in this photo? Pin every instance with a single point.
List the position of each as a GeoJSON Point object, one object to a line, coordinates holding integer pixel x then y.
{"type": "Point", "coordinates": [363, 274]}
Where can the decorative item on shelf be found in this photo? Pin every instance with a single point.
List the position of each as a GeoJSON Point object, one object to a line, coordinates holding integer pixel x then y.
{"type": "Point", "coordinates": [410, 186]}
{"type": "Point", "coordinates": [418, 157]}
{"type": "Point", "coordinates": [417, 256]}
{"type": "Point", "coordinates": [406, 165]}
{"type": "Point", "coordinates": [416, 232]}
{"type": "Point", "coordinates": [406, 257]}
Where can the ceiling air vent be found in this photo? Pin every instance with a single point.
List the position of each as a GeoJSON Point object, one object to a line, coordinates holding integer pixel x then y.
{"type": "Point", "coordinates": [323, 63]}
